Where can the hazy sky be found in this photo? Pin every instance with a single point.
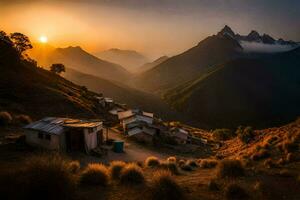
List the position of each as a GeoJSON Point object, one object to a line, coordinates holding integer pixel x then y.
{"type": "Point", "coordinates": [154, 27]}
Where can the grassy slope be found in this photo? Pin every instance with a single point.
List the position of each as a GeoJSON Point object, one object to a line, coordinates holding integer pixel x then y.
{"type": "Point", "coordinates": [260, 92]}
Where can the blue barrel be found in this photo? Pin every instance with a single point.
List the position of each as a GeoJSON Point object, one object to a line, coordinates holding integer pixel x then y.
{"type": "Point", "coordinates": [118, 146]}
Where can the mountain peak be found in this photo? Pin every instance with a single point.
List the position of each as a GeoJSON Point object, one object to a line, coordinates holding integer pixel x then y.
{"type": "Point", "coordinates": [226, 31]}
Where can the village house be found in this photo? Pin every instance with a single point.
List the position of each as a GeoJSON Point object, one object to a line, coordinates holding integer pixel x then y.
{"type": "Point", "coordinates": [180, 135]}
{"type": "Point", "coordinates": [64, 134]}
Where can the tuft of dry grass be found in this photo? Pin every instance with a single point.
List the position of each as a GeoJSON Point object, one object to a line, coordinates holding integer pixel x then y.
{"type": "Point", "coordinates": [235, 192]}
{"type": "Point", "coordinates": [132, 174]}
{"type": "Point", "coordinates": [74, 167]}
{"type": "Point", "coordinates": [115, 169]}
{"type": "Point", "coordinates": [22, 119]}
{"type": "Point", "coordinates": [192, 163]}
{"type": "Point", "coordinates": [5, 118]}
{"type": "Point", "coordinates": [164, 186]}
{"type": "Point", "coordinates": [46, 176]}
{"type": "Point", "coordinates": [186, 167]}
{"type": "Point", "coordinates": [152, 161]}
{"type": "Point", "coordinates": [208, 163]}
{"type": "Point", "coordinates": [231, 169]}
{"type": "Point", "coordinates": [172, 159]}
{"type": "Point", "coordinates": [95, 174]}
{"type": "Point", "coordinates": [181, 162]}
{"type": "Point", "coordinates": [170, 166]}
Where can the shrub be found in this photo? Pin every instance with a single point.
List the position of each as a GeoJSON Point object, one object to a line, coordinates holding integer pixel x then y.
{"type": "Point", "coordinates": [235, 192]}
{"type": "Point", "coordinates": [115, 168]}
{"type": "Point", "coordinates": [186, 167]}
{"type": "Point", "coordinates": [208, 163]}
{"type": "Point", "coordinates": [132, 174]}
{"type": "Point", "coordinates": [230, 168]}
{"type": "Point", "coordinates": [170, 166]}
{"type": "Point", "coordinates": [222, 134]}
{"type": "Point", "coordinates": [152, 162]}
{"type": "Point", "coordinates": [95, 174]}
{"type": "Point", "coordinates": [181, 163]}
{"type": "Point", "coordinates": [74, 167]}
{"type": "Point", "coordinates": [261, 154]}
{"type": "Point", "coordinates": [39, 177]}
{"type": "Point", "coordinates": [172, 159]}
{"type": "Point", "coordinates": [22, 119]}
{"type": "Point", "coordinates": [165, 187]}
{"type": "Point", "coordinates": [192, 163]}
{"type": "Point", "coordinates": [245, 134]}
{"type": "Point", "coordinates": [5, 118]}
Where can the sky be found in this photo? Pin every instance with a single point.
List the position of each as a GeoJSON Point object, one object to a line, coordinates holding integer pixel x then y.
{"type": "Point", "coordinates": [153, 27]}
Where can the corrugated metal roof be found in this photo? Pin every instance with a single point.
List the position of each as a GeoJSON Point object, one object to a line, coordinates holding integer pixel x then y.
{"type": "Point", "coordinates": [54, 125]}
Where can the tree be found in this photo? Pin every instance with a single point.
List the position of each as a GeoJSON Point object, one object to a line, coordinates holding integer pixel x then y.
{"type": "Point", "coordinates": [57, 68]}
{"type": "Point", "coordinates": [21, 42]}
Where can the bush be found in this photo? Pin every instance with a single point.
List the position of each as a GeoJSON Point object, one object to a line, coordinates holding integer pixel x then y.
{"type": "Point", "coordinates": [74, 167]}
{"type": "Point", "coordinates": [22, 119]}
{"type": "Point", "coordinates": [170, 166]}
{"type": "Point", "coordinates": [208, 163]}
{"type": "Point", "coordinates": [186, 167]}
{"type": "Point", "coordinates": [222, 134]}
{"type": "Point", "coordinates": [115, 169]}
{"type": "Point", "coordinates": [5, 118]}
{"type": "Point", "coordinates": [172, 159]}
{"type": "Point", "coordinates": [152, 162]}
{"type": "Point", "coordinates": [181, 163]}
{"type": "Point", "coordinates": [230, 168]}
{"type": "Point", "coordinates": [132, 174]}
{"type": "Point", "coordinates": [40, 176]}
{"type": "Point", "coordinates": [192, 163]}
{"type": "Point", "coordinates": [245, 134]}
{"type": "Point", "coordinates": [261, 154]}
{"type": "Point", "coordinates": [235, 192]}
{"type": "Point", "coordinates": [95, 174]}
{"type": "Point", "coordinates": [165, 187]}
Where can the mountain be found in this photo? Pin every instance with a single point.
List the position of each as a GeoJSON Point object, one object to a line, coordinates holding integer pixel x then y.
{"type": "Point", "coordinates": [190, 64]}
{"type": "Point", "coordinates": [260, 91]}
{"type": "Point", "coordinates": [28, 89]}
{"type": "Point", "coordinates": [78, 59]}
{"type": "Point", "coordinates": [129, 59]}
{"type": "Point", "coordinates": [150, 65]}
{"type": "Point", "coordinates": [123, 94]}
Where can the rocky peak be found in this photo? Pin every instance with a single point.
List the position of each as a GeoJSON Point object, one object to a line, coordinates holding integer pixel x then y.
{"type": "Point", "coordinates": [226, 31]}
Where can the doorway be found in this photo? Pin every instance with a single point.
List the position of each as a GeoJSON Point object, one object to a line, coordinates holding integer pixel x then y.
{"type": "Point", "coordinates": [75, 140]}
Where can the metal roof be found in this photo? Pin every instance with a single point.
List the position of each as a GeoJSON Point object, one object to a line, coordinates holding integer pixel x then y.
{"type": "Point", "coordinates": [57, 126]}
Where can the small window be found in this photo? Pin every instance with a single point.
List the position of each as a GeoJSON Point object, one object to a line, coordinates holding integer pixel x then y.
{"type": "Point", "coordinates": [48, 137]}
{"type": "Point", "coordinates": [40, 135]}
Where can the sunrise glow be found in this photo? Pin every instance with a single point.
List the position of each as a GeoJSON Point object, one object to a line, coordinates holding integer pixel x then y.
{"type": "Point", "coordinates": [43, 39]}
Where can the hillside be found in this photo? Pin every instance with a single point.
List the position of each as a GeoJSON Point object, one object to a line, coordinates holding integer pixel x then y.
{"type": "Point", "coordinates": [190, 64]}
{"type": "Point", "coordinates": [78, 59]}
{"type": "Point", "coordinates": [123, 94]}
{"type": "Point", "coordinates": [261, 91]}
{"type": "Point", "coordinates": [27, 89]}
{"type": "Point", "coordinates": [152, 64]}
{"type": "Point", "coordinates": [129, 59]}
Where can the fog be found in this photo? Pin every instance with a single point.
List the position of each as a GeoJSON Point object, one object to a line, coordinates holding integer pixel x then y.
{"type": "Point", "coordinates": [264, 48]}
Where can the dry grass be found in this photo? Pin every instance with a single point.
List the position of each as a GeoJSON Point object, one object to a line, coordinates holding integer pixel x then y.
{"type": "Point", "coordinates": [186, 167]}
{"type": "Point", "coordinates": [46, 176]}
{"type": "Point", "coordinates": [172, 159]}
{"type": "Point", "coordinates": [170, 166]}
{"type": "Point", "coordinates": [132, 174]}
{"type": "Point", "coordinates": [208, 163]}
{"type": "Point", "coordinates": [192, 163]}
{"type": "Point", "coordinates": [115, 169]}
{"type": "Point", "coordinates": [152, 162]}
{"type": "Point", "coordinates": [181, 162]}
{"type": "Point", "coordinates": [74, 167]}
{"type": "Point", "coordinates": [22, 119]}
{"type": "Point", "coordinates": [261, 154]}
{"type": "Point", "coordinates": [231, 169]}
{"type": "Point", "coordinates": [95, 174]}
{"type": "Point", "coordinates": [165, 187]}
{"type": "Point", "coordinates": [5, 118]}
{"type": "Point", "coordinates": [235, 192]}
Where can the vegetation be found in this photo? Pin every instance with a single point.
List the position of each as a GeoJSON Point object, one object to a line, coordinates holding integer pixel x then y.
{"type": "Point", "coordinates": [223, 134]}
{"type": "Point", "coordinates": [169, 166]}
{"type": "Point", "coordinates": [115, 169]}
{"type": "Point", "coordinates": [57, 68]}
{"type": "Point", "coordinates": [172, 159]}
{"type": "Point", "coordinates": [245, 134]}
{"type": "Point", "coordinates": [207, 163]}
{"type": "Point", "coordinates": [74, 167]}
{"type": "Point", "coordinates": [192, 163]}
{"type": "Point", "coordinates": [22, 119]}
{"type": "Point", "coordinates": [21, 42]}
{"type": "Point", "coordinates": [152, 162]}
{"type": "Point", "coordinates": [235, 192]}
{"type": "Point", "coordinates": [95, 174]}
{"type": "Point", "coordinates": [164, 187]}
{"type": "Point", "coordinates": [5, 118]}
{"type": "Point", "coordinates": [132, 174]}
{"type": "Point", "coordinates": [230, 169]}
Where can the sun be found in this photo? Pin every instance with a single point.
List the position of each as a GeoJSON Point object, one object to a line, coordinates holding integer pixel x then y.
{"type": "Point", "coordinates": [43, 39]}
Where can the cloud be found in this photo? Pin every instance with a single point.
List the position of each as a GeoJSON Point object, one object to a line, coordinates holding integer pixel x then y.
{"type": "Point", "coordinates": [264, 48]}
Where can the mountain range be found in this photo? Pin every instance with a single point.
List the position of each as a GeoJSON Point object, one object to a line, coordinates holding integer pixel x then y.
{"type": "Point", "coordinates": [131, 60]}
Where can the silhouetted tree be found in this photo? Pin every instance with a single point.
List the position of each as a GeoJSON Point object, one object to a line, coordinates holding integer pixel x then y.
{"type": "Point", "coordinates": [21, 42]}
{"type": "Point", "coordinates": [57, 68]}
